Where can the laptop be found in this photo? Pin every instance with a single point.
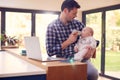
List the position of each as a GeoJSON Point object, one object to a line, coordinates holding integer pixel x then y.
{"type": "Point", "coordinates": [33, 49]}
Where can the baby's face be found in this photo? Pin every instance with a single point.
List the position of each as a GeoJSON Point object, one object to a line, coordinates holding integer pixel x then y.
{"type": "Point", "coordinates": [85, 32]}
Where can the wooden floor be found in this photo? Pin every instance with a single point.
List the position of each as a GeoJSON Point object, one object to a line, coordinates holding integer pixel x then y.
{"type": "Point", "coordinates": [115, 74]}
{"type": "Point", "coordinates": [103, 78]}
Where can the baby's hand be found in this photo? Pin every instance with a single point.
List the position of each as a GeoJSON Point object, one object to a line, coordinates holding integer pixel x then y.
{"type": "Point", "coordinates": [75, 49]}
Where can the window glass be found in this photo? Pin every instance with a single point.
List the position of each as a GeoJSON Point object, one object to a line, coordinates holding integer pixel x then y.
{"type": "Point", "coordinates": [18, 25]}
{"type": "Point", "coordinates": [112, 60]}
{"type": "Point", "coordinates": [93, 20]}
{"type": "Point", "coordinates": [42, 21]}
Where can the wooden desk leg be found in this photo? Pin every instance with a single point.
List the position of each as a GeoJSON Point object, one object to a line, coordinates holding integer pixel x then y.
{"type": "Point", "coordinates": [71, 72]}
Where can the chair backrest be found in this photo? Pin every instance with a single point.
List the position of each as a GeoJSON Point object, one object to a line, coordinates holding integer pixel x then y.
{"type": "Point", "coordinates": [94, 54]}
{"type": "Point", "coordinates": [98, 42]}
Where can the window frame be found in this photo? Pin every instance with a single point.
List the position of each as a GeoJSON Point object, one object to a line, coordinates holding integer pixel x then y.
{"type": "Point", "coordinates": [32, 11]}
{"type": "Point", "coordinates": [103, 33]}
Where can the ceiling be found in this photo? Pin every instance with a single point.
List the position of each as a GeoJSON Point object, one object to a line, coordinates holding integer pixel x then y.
{"type": "Point", "coordinates": [93, 4]}
{"type": "Point", "coordinates": [55, 5]}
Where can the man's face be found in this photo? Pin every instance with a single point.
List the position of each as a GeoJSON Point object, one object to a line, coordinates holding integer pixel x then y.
{"type": "Point", "coordinates": [70, 15]}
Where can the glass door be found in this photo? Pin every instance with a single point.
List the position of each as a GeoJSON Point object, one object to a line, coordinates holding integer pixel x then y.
{"type": "Point", "coordinates": [112, 61]}
{"type": "Point", "coordinates": [94, 20]}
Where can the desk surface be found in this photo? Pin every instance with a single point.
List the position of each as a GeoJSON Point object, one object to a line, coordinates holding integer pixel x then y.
{"type": "Point", "coordinates": [44, 65]}
{"type": "Point", "coordinates": [68, 71]}
{"type": "Point", "coordinates": [13, 66]}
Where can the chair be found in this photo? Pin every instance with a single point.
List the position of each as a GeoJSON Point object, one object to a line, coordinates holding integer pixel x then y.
{"type": "Point", "coordinates": [94, 54]}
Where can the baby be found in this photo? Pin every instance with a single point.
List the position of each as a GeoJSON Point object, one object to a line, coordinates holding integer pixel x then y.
{"type": "Point", "coordinates": [86, 40]}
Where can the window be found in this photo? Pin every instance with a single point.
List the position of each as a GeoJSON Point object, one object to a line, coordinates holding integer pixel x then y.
{"type": "Point", "coordinates": [18, 25]}
{"type": "Point", "coordinates": [42, 21]}
{"type": "Point", "coordinates": [107, 23]}
{"type": "Point", "coordinates": [112, 48]}
{"type": "Point", "coordinates": [93, 20]}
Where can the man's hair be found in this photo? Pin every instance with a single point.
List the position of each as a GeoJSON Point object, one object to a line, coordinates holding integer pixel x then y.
{"type": "Point", "coordinates": [69, 4]}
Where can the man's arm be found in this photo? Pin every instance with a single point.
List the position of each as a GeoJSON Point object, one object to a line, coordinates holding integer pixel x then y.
{"type": "Point", "coordinates": [52, 44]}
{"type": "Point", "coordinates": [72, 38]}
{"type": "Point", "coordinates": [89, 53]}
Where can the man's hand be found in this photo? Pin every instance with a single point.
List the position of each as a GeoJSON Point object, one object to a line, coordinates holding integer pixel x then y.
{"type": "Point", "coordinates": [72, 37]}
{"type": "Point", "coordinates": [89, 53]}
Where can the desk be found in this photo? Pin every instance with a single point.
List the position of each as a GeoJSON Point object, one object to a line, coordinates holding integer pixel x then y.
{"type": "Point", "coordinates": [67, 72]}
{"type": "Point", "coordinates": [57, 70]}
{"type": "Point", "coordinates": [12, 67]}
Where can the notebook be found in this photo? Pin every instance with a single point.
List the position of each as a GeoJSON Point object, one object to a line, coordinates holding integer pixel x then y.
{"type": "Point", "coordinates": [33, 49]}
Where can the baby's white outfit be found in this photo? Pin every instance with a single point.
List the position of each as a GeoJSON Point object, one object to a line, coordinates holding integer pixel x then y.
{"type": "Point", "coordinates": [81, 45]}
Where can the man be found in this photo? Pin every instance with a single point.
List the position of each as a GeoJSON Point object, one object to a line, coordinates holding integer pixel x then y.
{"type": "Point", "coordinates": [59, 38]}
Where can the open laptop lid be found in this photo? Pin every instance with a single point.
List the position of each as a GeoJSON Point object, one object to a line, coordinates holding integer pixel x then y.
{"type": "Point", "coordinates": [32, 46]}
